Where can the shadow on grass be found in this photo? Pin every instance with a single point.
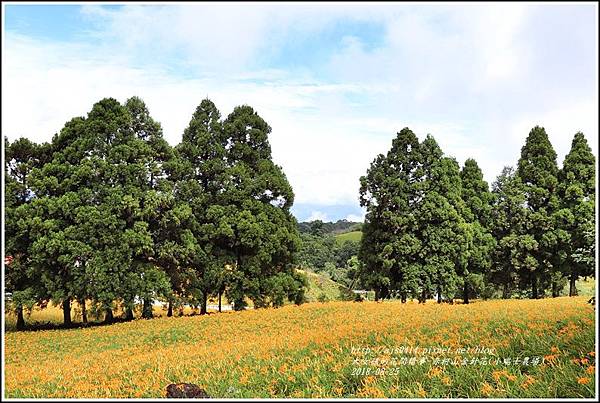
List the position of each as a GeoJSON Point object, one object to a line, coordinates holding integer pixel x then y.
{"type": "Point", "coordinates": [39, 326]}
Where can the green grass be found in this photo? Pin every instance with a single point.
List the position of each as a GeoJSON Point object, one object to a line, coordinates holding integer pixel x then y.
{"type": "Point", "coordinates": [349, 236]}
{"type": "Point", "coordinates": [319, 285]}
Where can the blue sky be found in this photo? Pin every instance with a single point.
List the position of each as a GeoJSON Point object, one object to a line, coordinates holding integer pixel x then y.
{"type": "Point", "coordinates": [334, 81]}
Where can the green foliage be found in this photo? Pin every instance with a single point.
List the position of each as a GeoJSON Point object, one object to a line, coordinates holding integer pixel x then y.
{"type": "Point", "coordinates": [431, 229]}
{"type": "Point", "coordinates": [110, 212]}
{"type": "Point", "coordinates": [512, 254]}
{"type": "Point", "coordinates": [323, 254]}
{"type": "Point", "coordinates": [316, 251]}
{"type": "Point", "coordinates": [318, 227]}
{"type": "Point", "coordinates": [321, 284]}
{"type": "Point", "coordinates": [414, 236]}
{"type": "Point", "coordinates": [323, 298]}
{"type": "Point", "coordinates": [259, 233]}
{"type": "Point", "coordinates": [390, 243]}
{"type": "Point", "coordinates": [22, 157]}
{"type": "Point", "coordinates": [477, 214]}
{"type": "Point", "coordinates": [538, 170]}
{"type": "Point", "coordinates": [576, 217]}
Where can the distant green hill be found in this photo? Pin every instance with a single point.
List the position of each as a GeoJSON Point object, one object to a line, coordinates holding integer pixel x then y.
{"type": "Point", "coordinates": [322, 286]}
{"type": "Point", "coordinates": [349, 236]}
{"type": "Point", "coordinates": [328, 228]}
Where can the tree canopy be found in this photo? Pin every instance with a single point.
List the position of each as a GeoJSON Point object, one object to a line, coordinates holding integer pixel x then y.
{"type": "Point", "coordinates": [433, 229]}
{"type": "Point", "coordinates": [109, 212]}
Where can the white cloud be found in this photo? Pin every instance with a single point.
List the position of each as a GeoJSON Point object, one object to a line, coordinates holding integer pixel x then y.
{"type": "Point", "coordinates": [225, 36]}
{"type": "Point", "coordinates": [317, 215]}
{"type": "Point", "coordinates": [355, 218]}
{"type": "Point", "coordinates": [471, 76]}
{"type": "Point", "coordinates": [313, 152]}
{"type": "Point", "coordinates": [561, 125]}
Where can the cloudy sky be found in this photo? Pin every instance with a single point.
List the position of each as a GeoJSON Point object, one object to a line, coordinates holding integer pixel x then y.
{"type": "Point", "coordinates": [334, 81]}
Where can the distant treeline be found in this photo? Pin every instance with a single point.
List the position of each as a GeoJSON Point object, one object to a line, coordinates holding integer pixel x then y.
{"type": "Point", "coordinates": [322, 253]}
{"type": "Point", "coordinates": [433, 228]}
{"type": "Point", "coordinates": [318, 227]}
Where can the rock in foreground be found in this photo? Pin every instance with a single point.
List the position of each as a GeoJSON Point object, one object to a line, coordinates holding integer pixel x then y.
{"type": "Point", "coordinates": [186, 390]}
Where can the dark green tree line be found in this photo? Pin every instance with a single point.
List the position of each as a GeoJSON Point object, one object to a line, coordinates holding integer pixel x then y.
{"type": "Point", "coordinates": [433, 229]}
{"type": "Point", "coordinates": [109, 212]}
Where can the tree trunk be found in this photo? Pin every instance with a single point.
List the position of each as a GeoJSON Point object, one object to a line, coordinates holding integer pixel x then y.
{"type": "Point", "coordinates": [534, 287]}
{"type": "Point", "coordinates": [20, 318]}
{"type": "Point", "coordinates": [403, 297]}
{"type": "Point", "coordinates": [220, 296]}
{"type": "Point", "coordinates": [129, 313]}
{"type": "Point", "coordinates": [439, 294]}
{"type": "Point", "coordinates": [385, 294]}
{"type": "Point", "coordinates": [572, 288]}
{"type": "Point", "coordinates": [377, 294]}
{"type": "Point", "coordinates": [555, 290]}
{"type": "Point", "coordinates": [505, 291]}
{"type": "Point", "coordinates": [84, 318]}
{"type": "Point", "coordinates": [170, 309]}
{"type": "Point", "coordinates": [147, 309]}
{"type": "Point", "coordinates": [203, 304]}
{"type": "Point", "coordinates": [466, 292]}
{"type": "Point", "coordinates": [108, 316]}
{"type": "Point", "coordinates": [67, 312]}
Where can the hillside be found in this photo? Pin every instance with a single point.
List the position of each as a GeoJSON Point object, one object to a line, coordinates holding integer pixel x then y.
{"type": "Point", "coordinates": [349, 236]}
{"type": "Point", "coordinates": [309, 351]}
{"type": "Point", "coordinates": [328, 228]}
{"type": "Point", "coordinates": [319, 285]}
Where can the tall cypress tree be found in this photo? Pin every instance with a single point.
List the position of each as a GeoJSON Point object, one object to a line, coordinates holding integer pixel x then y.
{"type": "Point", "coordinates": [153, 191]}
{"type": "Point", "coordinates": [375, 196]}
{"type": "Point", "coordinates": [123, 158]}
{"type": "Point", "coordinates": [389, 246]}
{"type": "Point", "coordinates": [577, 192]}
{"type": "Point", "coordinates": [414, 235]}
{"type": "Point", "coordinates": [200, 184]}
{"type": "Point", "coordinates": [404, 161]}
{"type": "Point", "coordinates": [440, 223]}
{"type": "Point", "coordinates": [262, 233]}
{"type": "Point", "coordinates": [477, 214]}
{"type": "Point", "coordinates": [538, 170]}
{"type": "Point", "coordinates": [61, 211]}
{"type": "Point", "coordinates": [92, 237]}
{"type": "Point", "coordinates": [513, 254]}
{"type": "Point", "coordinates": [21, 158]}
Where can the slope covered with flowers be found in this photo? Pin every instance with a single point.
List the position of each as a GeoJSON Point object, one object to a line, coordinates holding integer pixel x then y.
{"type": "Point", "coordinates": [336, 349]}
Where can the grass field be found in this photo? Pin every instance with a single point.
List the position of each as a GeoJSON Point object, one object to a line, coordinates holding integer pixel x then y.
{"type": "Point", "coordinates": [321, 286]}
{"type": "Point", "coordinates": [319, 350]}
{"type": "Point", "coordinates": [349, 236]}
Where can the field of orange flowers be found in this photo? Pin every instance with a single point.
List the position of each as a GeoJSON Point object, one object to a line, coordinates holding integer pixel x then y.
{"type": "Point", "coordinates": [515, 348]}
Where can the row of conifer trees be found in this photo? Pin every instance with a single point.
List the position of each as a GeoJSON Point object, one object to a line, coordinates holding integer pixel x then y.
{"type": "Point", "coordinates": [110, 215]}
{"type": "Point", "coordinates": [433, 228]}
